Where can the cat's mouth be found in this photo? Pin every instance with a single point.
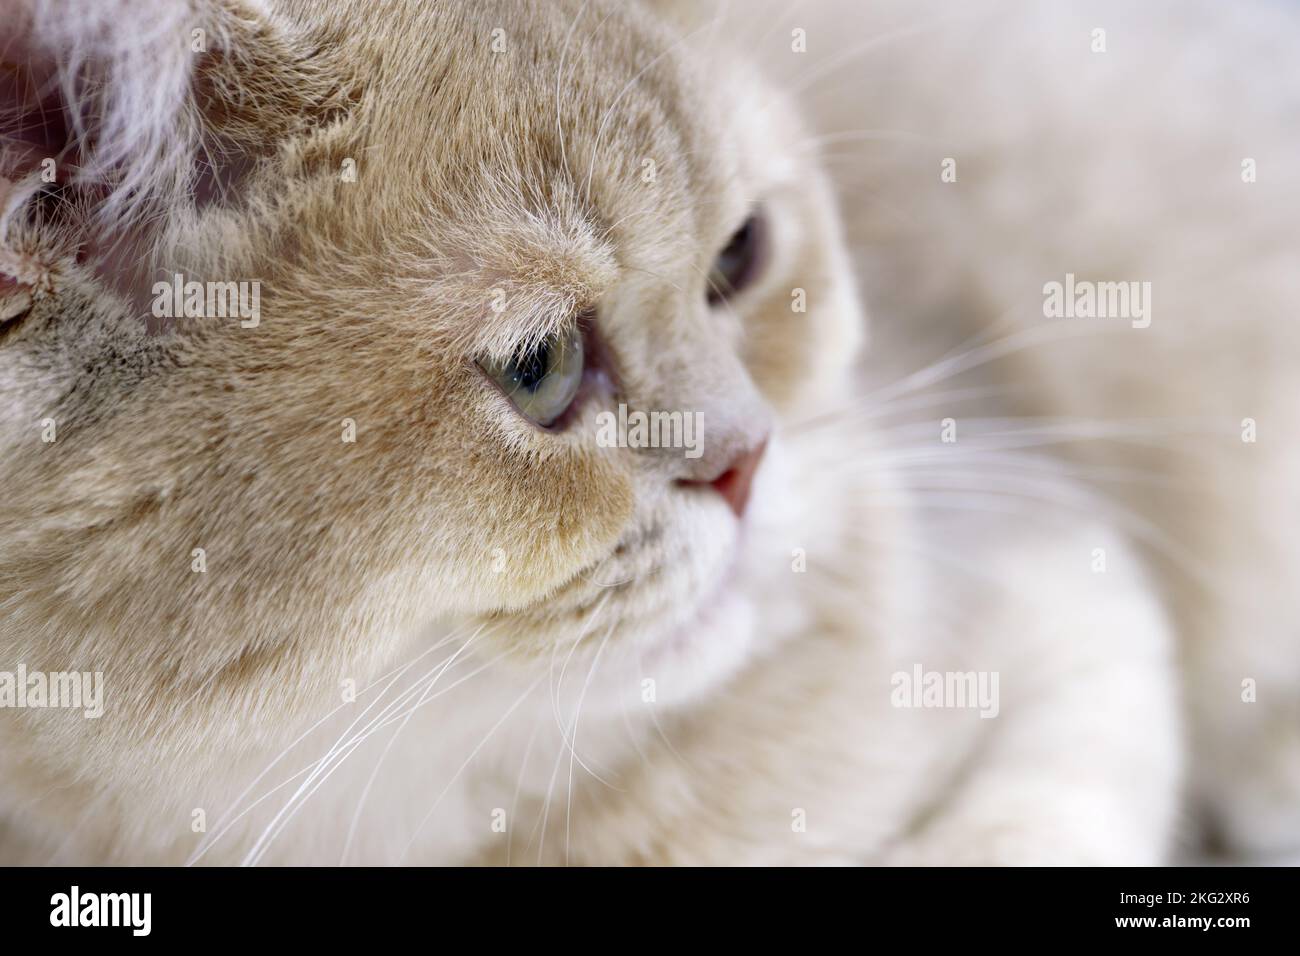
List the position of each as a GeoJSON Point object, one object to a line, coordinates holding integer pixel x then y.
{"type": "Point", "coordinates": [705, 618]}
{"type": "Point", "coordinates": [651, 590]}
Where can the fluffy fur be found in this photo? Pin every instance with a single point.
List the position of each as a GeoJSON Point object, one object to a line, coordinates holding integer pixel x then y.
{"type": "Point", "coordinates": [500, 595]}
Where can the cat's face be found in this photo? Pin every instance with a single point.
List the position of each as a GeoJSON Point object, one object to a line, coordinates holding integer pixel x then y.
{"type": "Point", "coordinates": [538, 189]}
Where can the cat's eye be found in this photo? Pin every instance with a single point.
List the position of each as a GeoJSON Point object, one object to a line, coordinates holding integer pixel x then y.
{"type": "Point", "coordinates": [740, 261]}
{"type": "Point", "coordinates": [544, 381]}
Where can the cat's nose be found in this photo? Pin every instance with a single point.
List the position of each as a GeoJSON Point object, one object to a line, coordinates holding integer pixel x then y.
{"type": "Point", "coordinates": [736, 478]}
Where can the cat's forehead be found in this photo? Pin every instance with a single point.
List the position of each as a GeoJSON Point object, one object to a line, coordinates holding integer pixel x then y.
{"type": "Point", "coordinates": [539, 151]}
{"type": "Point", "coordinates": [562, 107]}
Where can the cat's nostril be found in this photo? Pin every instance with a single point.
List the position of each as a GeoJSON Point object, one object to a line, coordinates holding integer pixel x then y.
{"type": "Point", "coordinates": [735, 481]}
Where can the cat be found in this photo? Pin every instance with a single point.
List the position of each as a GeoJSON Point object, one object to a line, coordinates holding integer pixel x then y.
{"type": "Point", "coordinates": [364, 585]}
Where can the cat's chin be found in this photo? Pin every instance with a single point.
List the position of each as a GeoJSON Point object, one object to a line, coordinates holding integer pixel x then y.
{"type": "Point", "coordinates": [705, 651]}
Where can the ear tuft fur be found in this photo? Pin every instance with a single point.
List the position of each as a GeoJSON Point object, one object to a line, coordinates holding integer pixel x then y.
{"type": "Point", "coordinates": [119, 116]}
{"type": "Point", "coordinates": [116, 74]}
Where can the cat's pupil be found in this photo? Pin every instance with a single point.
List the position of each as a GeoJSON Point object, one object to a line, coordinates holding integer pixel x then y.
{"type": "Point", "coordinates": [530, 369]}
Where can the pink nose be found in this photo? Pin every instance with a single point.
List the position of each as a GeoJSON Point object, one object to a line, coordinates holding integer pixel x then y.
{"type": "Point", "coordinates": [737, 478]}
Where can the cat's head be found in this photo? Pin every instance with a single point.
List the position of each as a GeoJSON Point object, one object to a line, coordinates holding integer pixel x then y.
{"type": "Point", "coordinates": [472, 231]}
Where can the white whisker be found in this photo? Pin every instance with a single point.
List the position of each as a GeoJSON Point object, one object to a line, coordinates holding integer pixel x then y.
{"type": "Point", "coordinates": [456, 776]}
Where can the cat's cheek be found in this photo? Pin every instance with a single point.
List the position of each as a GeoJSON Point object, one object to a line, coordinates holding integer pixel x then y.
{"type": "Point", "coordinates": [542, 529]}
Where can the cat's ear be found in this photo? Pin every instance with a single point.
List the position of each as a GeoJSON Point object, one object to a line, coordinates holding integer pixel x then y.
{"type": "Point", "coordinates": [101, 92]}
{"type": "Point", "coordinates": [125, 112]}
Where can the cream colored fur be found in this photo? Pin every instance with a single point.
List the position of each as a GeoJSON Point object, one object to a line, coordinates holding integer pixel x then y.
{"type": "Point", "coordinates": [520, 586]}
